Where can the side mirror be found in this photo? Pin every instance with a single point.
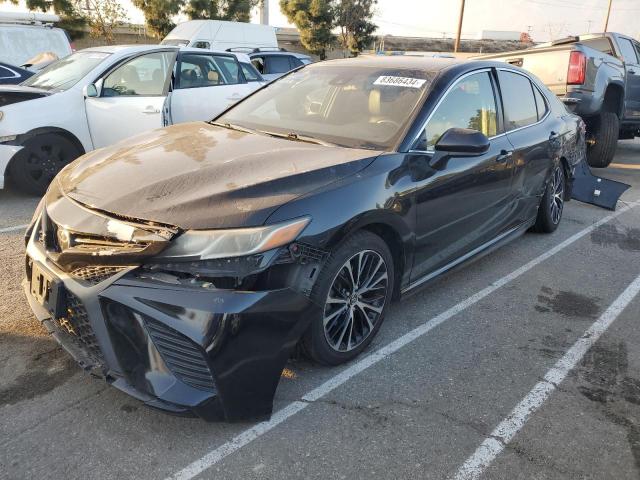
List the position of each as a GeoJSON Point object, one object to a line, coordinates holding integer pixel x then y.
{"type": "Point", "coordinates": [462, 141]}
{"type": "Point", "coordinates": [90, 91]}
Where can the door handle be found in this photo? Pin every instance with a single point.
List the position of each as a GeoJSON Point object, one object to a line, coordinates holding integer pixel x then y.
{"type": "Point", "coordinates": [632, 72]}
{"type": "Point", "coordinates": [235, 96]}
{"type": "Point", "coordinates": [504, 156]}
{"type": "Point", "coordinates": [151, 110]}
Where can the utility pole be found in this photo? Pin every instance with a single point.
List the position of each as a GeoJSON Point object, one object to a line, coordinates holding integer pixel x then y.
{"type": "Point", "coordinates": [264, 12]}
{"type": "Point", "coordinates": [606, 22]}
{"type": "Point", "coordinates": [456, 46]}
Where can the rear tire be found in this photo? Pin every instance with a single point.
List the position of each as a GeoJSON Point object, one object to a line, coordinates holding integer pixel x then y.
{"type": "Point", "coordinates": [42, 157]}
{"type": "Point", "coordinates": [352, 311]}
{"type": "Point", "coordinates": [605, 131]}
{"type": "Point", "coordinates": [552, 203]}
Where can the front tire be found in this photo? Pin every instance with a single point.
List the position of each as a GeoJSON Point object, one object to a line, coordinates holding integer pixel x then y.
{"type": "Point", "coordinates": [42, 157]}
{"type": "Point", "coordinates": [354, 288]}
{"type": "Point", "coordinates": [552, 203]}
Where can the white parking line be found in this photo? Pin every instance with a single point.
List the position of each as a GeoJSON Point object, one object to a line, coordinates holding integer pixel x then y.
{"type": "Point", "coordinates": [13, 229]}
{"type": "Point", "coordinates": [247, 436]}
{"type": "Point", "coordinates": [510, 426]}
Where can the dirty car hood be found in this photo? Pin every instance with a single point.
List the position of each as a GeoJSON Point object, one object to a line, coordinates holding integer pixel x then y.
{"type": "Point", "coordinates": [199, 176]}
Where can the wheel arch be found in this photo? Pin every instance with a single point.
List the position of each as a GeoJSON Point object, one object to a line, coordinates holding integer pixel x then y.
{"type": "Point", "coordinates": [613, 100]}
{"type": "Point", "coordinates": [55, 131]}
{"type": "Point", "coordinates": [394, 232]}
{"type": "Point", "coordinates": [568, 178]}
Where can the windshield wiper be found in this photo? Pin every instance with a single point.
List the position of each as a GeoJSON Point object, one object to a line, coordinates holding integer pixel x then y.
{"type": "Point", "coordinates": [297, 138]}
{"type": "Point", "coordinates": [233, 126]}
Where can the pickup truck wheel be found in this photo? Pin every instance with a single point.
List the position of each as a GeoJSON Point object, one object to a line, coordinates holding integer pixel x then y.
{"type": "Point", "coordinates": [604, 140]}
{"type": "Point", "coordinates": [42, 157]}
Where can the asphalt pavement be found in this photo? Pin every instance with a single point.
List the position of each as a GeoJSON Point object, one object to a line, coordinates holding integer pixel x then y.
{"type": "Point", "coordinates": [486, 373]}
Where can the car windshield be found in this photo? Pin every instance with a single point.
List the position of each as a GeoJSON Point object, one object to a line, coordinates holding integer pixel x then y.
{"type": "Point", "coordinates": [352, 106]}
{"type": "Point", "coordinates": [65, 73]}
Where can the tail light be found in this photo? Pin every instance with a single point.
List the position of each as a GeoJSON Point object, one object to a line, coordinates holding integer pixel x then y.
{"type": "Point", "coordinates": [577, 68]}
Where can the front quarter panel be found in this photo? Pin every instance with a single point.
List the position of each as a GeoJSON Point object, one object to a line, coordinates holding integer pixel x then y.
{"type": "Point", "coordinates": [380, 195]}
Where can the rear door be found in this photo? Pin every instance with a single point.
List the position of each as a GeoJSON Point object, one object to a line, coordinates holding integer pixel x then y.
{"type": "Point", "coordinates": [632, 66]}
{"type": "Point", "coordinates": [205, 85]}
{"type": "Point", "coordinates": [466, 202]}
{"type": "Point", "coordinates": [131, 98]}
{"type": "Point", "coordinates": [532, 130]}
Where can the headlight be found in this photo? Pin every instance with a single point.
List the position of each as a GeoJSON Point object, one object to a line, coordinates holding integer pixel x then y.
{"type": "Point", "coordinates": [236, 242]}
{"type": "Point", "coordinates": [7, 138]}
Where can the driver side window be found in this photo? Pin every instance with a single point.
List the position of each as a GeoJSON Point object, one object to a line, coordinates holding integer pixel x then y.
{"type": "Point", "coordinates": [143, 76]}
{"type": "Point", "coordinates": [470, 104]}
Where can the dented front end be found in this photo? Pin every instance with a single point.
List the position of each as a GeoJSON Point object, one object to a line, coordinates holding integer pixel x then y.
{"type": "Point", "coordinates": [207, 337]}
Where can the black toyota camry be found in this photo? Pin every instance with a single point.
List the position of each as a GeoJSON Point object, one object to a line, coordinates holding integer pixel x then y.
{"type": "Point", "coordinates": [186, 264]}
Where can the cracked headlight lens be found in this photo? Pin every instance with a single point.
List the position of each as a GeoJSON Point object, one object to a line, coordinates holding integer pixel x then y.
{"type": "Point", "coordinates": [233, 242]}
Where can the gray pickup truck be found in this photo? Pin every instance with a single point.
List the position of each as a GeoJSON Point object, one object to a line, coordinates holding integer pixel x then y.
{"type": "Point", "coordinates": [597, 76]}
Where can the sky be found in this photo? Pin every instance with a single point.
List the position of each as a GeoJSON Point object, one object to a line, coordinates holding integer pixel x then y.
{"type": "Point", "coordinates": [545, 19]}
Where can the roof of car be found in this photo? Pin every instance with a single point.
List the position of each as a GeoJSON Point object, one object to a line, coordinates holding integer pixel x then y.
{"type": "Point", "coordinates": [427, 63]}
{"type": "Point", "coordinates": [130, 49]}
{"type": "Point", "coordinates": [278, 52]}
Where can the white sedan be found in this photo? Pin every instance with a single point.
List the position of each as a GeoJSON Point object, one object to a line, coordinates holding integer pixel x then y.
{"type": "Point", "coordinates": [99, 96]}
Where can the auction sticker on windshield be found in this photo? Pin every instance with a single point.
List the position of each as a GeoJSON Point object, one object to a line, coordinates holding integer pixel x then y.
{"type": "Point", "coordinates": [399, 81]}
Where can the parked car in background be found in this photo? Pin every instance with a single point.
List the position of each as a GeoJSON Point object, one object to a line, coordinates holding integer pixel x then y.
{"type": "Point", "coordinates": [272, 63]}
{"type": "Point", "coordinates": [24, 36]}
{"type": "Point", "coordinates": [99, 96]}
{"type": "Point", "coordinates": [184, 265]}
{"type": "Point", "coordinates": [598, 77]}
{"type": "Point", "coordinates": [220, 35]}
{"type": "Point", "coordinates": [12, 75]}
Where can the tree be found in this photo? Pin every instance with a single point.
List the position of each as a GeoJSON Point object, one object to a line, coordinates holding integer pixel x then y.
{"type": "Point", "coordinates": [314, 19]}
{"type": "Point", "coordinates": [158, 13]}
{"type": "Point", "coordinates": [234, 10]}
{"type": "Point", "coordinates": [103, 16]}
{"type": "Point", "coordinates": [353, 18]}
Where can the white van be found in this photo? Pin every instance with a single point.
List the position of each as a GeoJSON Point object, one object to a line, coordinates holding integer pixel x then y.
{"type": "Point", "coordinates": [23, 36]}
{"type": "Point", "coordinates": [221, 35]}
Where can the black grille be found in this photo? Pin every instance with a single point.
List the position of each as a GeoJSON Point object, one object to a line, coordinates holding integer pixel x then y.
{"type": "Point", "coordinates": [183, 357]}
{"type": "Point", "coordinates": [76, 324]}
{"type": "Point", "coordinates": [301, 252]}
{"type": "Point", "coordinates": [96, 274]}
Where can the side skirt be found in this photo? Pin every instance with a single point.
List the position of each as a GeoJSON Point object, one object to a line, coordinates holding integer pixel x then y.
{"type": "Point", "coordinates": [473, 255]}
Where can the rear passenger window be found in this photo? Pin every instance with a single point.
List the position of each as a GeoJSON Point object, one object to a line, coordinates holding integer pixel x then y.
{"type": "Point", "coordinates": [627, 51]}
{"type": "Point", "coordinates": [278, 64]}
{"type": "Point", "coordinates": [518, 100]}
{"type": "Point", "coordinates": [230, 69]}
{"type": "Point", "coordinates": [541, 104]}
{"type": "Point", "coordinates": [201, 70]}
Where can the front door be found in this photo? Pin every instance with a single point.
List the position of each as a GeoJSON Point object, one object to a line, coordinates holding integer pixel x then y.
{"type": "Point", "coordinates": [206, 85]}
{"type": "Point", "coordinates": [467, 200]}
{"type": "Point", "coordinates": [131, 99]}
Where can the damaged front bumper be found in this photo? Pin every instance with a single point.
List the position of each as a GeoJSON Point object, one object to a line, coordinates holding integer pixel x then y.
{"type": "Point", "coordinates": [185, 347]}
{"type": "Point", "coordinates": [216, 354]}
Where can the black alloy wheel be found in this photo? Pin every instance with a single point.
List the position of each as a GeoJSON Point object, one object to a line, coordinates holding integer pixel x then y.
{"type": "Point", "coordinates": [552, 203]}
{"type": "Point", "coordinates": [42, 157]}
{"type": "Point", "coordinates": [354, 288]}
